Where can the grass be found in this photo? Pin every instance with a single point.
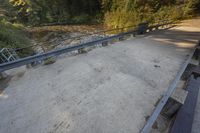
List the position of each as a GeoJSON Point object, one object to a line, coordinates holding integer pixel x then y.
{"type": "Point", "coordinates": [14, 36]}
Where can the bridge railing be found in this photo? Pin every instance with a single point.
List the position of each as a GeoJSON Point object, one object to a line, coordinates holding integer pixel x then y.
{"type": "Point", "coordinates": [141, 29]}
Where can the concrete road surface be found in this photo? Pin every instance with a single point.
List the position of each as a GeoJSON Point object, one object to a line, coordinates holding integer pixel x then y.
{"type": "Point", "coordinates": [108, 90]}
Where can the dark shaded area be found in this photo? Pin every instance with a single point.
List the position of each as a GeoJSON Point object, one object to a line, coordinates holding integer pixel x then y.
{"type": "Point", "coordinates": [4, 83]}
{"type": "Point", "coordinates": [112, 12]}
{"type": "Point", "coordinates": [34, 12]}
{"type": "Point", "coordinates": [177, 37]}
{"type": "Point", "coordinates": [184, 118]}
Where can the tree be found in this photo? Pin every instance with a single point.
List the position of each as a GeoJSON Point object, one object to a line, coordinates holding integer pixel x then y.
{"type": "Point", "coordinates": [40, 11]}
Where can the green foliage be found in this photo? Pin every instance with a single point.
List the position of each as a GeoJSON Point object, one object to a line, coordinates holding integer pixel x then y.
{"type": "Point", "coordinates": [116, 14]}
{"type": "Point", "coordinates": [84, 18]}
{"type": "Point", "coordinates": [44, 11]}
{"type": "Point", "coordinates": [13, 36]}
{"type": "Point", "coordinates": [168, 13]}
{"type": "Point", "coordinates": [120, 13]}
{"type": "Point", "coordinates": [121, 18]}
{"type": "Point", "coordinates": [191, 6]}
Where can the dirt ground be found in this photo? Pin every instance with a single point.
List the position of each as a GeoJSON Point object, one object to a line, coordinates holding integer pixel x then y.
{"type": "Point", "coordinates": [107, 90]}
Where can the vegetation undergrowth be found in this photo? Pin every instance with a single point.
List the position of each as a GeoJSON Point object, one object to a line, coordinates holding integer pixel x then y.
{"type": "Point", "coordinates": [14, 36]}
{"type": "Point", "coordinates": [132, 12]}
{"type": "Point", "coordinates": [113, 13]}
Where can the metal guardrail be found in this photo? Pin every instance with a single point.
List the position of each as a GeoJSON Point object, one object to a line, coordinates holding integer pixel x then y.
{"type": "Point", "coordinates": [39, 57]}
{"type": "Point", "coordinates": [167, 94]}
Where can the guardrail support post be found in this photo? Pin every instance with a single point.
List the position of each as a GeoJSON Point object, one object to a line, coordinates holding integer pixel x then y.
{"type": "Point", "coordinates": [142, 27]}
{"type": "Point", "coordinates": [121, 38]}
{"type": "Point", "coordinates": [157, 27]}
{"type": "Point", "coordinates": [150, 29]}
{"type": "Point", "coordinates": [82, 51]}
{"type": "Point", "coordinates": [133, 35]}
{"type": "Point", "coordinates": [104, 44]}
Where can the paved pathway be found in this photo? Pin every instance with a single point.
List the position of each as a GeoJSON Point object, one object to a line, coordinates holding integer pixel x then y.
{"type": "Point", "coordinates": [108, 90]}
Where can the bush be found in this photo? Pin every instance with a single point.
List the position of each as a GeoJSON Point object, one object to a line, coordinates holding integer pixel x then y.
{"type": "Point", "coordinates": [84, 18]}
{"type": "Point", "coordinates": [121, 15]}
{"type": "Point", "coordinates": [121, 18]}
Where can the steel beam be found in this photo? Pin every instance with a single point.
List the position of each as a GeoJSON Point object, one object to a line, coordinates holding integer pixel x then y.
{"type": "Point", "coordinates": [166, 96]}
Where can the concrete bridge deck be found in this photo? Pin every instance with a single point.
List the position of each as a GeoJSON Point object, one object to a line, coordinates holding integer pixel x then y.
{"type": "Point", "coordinates": [108, 90]}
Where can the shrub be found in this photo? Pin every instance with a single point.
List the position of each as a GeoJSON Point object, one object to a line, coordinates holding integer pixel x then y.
{"type": "Point", "coordinates": [122, 15]}
{"type": "Point", "coordinates": [121, 18]}
{"type": "Point", "coordinates": [84, 18]}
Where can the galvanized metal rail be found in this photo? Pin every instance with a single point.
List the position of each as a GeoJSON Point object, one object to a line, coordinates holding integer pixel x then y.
{"type": "Point", "coordinates": [39, 57]}
{"type": "Point", "coordinates": [167, 94]}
